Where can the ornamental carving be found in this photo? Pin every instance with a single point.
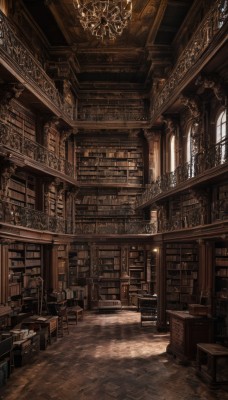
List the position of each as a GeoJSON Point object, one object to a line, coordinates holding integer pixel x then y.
{"type": "Point", "coordinates": [193, 105]}
{"type": "Point", "coordinates": [7, 171]}
{"type": "Point", "coordinates": [52, 123]}
{"type": "Point", "coordinates": [7, 94]}
{"type": "Point", "coordinates": [171, 125]}
{"type": "Point", "coordinates": [213, 83]}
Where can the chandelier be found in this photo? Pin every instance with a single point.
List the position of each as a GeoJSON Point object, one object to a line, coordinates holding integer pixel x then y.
{"type": "Point", "coordinates": [105, 19]}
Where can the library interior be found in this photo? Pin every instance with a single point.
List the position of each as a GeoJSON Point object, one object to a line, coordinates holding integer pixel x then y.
{"type": "Point", "coordinates": [113, 199]}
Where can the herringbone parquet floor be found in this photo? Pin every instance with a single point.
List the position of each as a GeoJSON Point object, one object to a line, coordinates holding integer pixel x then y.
{"type": "Point", "coordinates": [108, 357]}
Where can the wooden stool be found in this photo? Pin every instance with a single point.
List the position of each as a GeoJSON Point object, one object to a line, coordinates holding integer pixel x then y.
{"type": "Point", "coordinates": [208, 356]}
{"type": "Point", "coordinates": [73, 313]}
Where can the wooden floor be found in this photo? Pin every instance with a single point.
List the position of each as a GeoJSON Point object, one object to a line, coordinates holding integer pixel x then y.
{"type": "Point", "coordinates": [108, 357]}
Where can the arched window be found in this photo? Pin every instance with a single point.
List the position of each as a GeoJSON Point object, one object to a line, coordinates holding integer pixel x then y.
{"type": "Point", "coordinates": [172, 149]}
{"type": "Point", "coordinates": [221, 134]}
{"type": "Point", "coordinates": [190, 158]}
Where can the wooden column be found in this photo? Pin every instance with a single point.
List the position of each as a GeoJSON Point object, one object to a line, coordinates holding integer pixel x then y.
{"type": "Point", "coordinates": [124, 276]}
{"type": "Point", "coordinates": [4, 274]}
{"type": "Point", "coordinates": [153, 139]}
{"type": "Point", "coordinates": [161, 288]}
{"type": "Point", "coordinates": [54, 268]}
{"type": "Point", "coordinates": [205, 280]}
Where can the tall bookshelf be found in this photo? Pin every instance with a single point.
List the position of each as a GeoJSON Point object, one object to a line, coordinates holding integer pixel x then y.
{"type": "Point", "coordinates": [106, 202]}
{"type": "Point", "coordinates": [109, 258]}
{"type": "Point", "coordinates": [62, 267]}
{"type": "Point", "coordinates": [79, 264]}
{"type": "Point", "coordinates": [22, 190]}
{"type": "Point", "coordinates": [22, 120]}
{"type": "Point", "coordinates": [25, 271]}
{"type": "Point", "coordinates": [110, 162]}
{"type": "Point", "coordinates": [137, 269]}
{"type": "Point", "coordinates": [151, 271]}
{"type": "Point", "coordinates": [221, 292]}
{"type": "Point", "coordinates": [181, 274]}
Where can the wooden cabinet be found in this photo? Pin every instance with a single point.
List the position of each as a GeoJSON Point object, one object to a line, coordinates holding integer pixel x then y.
{"type": "Point", "coordinates": [6, 346]}
{"type": "Point", "coordinates": [185, 332]}
{"type": "Point", "coordinates": [25, 350]}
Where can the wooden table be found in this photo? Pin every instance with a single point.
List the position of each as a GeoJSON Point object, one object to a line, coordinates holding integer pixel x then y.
{"type": "Point", "coordinates": [36, 322]}
{"type": "Point", "coordinates": [208, 357]}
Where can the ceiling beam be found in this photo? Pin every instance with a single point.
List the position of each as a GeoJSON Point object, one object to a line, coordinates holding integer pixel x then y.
{"type": "Point", "coordinates": [156, 24]}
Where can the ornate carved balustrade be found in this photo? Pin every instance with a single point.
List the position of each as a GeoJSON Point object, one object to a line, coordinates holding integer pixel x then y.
{"type": "Point", "coordinates": [14, 52]}
{"type": "Point", "coordinates": [200, 41]}
{"type": "Point", "coordinates": [16, 142]}
{"type": "Point", "coordinates": [131, 228]}
{"type": "Point", "coordinates": [200, 163]}
{"type": "Point", "coordinates": [29, 218]}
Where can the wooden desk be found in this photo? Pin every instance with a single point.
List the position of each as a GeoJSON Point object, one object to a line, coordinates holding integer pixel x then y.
{"type": "Point", "coordinates": [186, 331]}
{"type": "Point", "coordinates": [208, 357]}
{"type": "Point", "coordinates": [36, 322]}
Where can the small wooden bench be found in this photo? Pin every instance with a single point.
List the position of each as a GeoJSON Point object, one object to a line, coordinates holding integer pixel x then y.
{"type": "Point", "coordinates": [74, 313]}
{"type": "Point", "coordinates": [208, 357]}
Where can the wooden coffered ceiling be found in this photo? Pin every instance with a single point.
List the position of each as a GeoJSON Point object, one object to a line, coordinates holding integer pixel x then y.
{"type": "Point", "coordinates": [145, 50]}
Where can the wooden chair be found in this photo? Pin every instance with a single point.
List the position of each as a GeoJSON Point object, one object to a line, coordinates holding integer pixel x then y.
{"type": "Point", "coordinates": [73, 313]}
{"type": "Point", "coordinates": [63, 325]}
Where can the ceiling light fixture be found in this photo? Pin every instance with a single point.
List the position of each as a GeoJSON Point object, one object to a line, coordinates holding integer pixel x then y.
{"type": "Point", "coordinates": [105, 19]}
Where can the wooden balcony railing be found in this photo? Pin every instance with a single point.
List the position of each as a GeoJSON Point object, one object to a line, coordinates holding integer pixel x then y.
{"type": "Point", "coordinates": [27, 217]}
{"type": "Point", "coordinates": [115, 228]}
{"type": "Point", "coordinates": [14, 141]}
{"type": "Point", "coordinates": [200, 163]}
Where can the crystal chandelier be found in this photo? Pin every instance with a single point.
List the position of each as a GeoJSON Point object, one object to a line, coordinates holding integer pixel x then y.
{"type": "Point", "coordinates": [105, 19]}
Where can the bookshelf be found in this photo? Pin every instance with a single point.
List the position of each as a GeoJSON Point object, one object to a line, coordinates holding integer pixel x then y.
{"type": "Point", "coordinates": [181, 274]}
{"type": "Point", "coordinates": [25, 270]}
{"type": "Point", "coordinates": [22, 190]}
{"type": "Point", "coordinates": [22, 120]}
{"type": "Point", "coordinates": [221, 291]}
{"type": "Point", "coordinates": [79, 264]}
{"type": "Point", "coordinates": [109, 258]}
{"type": "Point", "coordinates": [111, 162]}
{"type": "Point", "coordinates": [151, 271]}
{"type": "Point", "coordinates": [137, 266]}
{"type": "Point", "coordinates": [220, 202]}
{"type": "Point", "coordinates": [62, 267]}
{"type": "Point", "coordinates": [106, 202]}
